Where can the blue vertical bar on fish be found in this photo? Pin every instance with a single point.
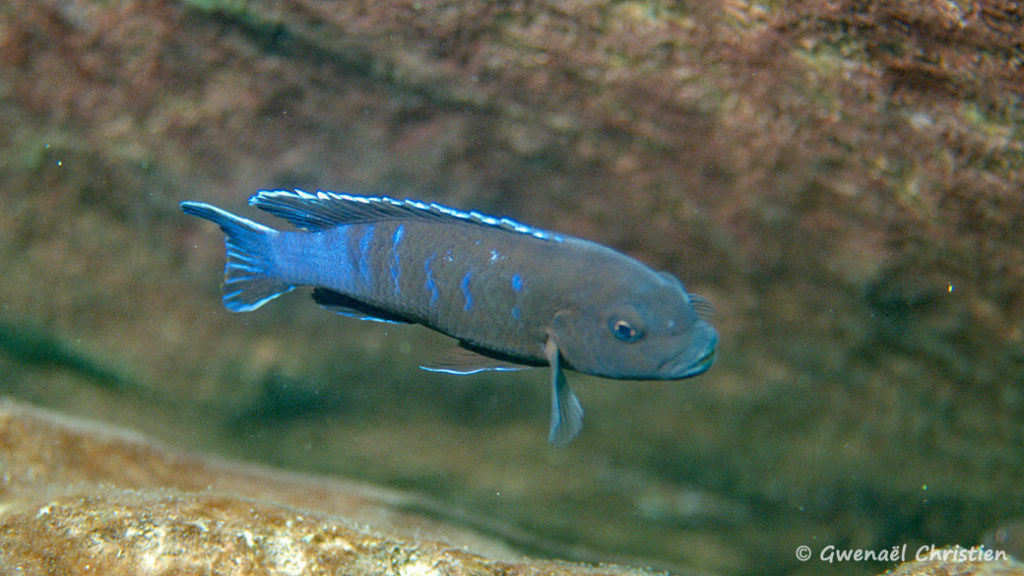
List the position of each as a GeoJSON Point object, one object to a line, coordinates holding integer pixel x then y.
{"type": "Point", "coordinates": [429, 284]}
{"type": "Point", "coordinates": [396, 264]}
{"type": "Point", "coordinates": [466, 294]}
{"type": "Point", "coordinates": [513, 296]}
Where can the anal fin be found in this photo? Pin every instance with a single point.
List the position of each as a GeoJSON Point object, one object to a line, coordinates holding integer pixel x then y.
{"type": "Point", "coordinates": [348, 306]}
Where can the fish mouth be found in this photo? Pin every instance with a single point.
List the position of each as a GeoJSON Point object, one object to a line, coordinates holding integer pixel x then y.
{"type": "Point", "coordinates": [699, 367]}
{"type": "Point", "coordinates": [702, 365]}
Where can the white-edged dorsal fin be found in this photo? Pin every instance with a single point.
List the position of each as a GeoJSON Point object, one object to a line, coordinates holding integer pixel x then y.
{"type": "Point", "coordinates": [324, 209]}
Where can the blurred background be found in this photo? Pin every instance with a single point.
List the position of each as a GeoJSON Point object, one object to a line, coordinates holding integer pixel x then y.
{"type": "Point", "coordinates": [843, 180]}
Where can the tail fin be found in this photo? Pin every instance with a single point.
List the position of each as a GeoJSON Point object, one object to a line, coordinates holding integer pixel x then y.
{"type": "Point", "coordinates": [249, 280]}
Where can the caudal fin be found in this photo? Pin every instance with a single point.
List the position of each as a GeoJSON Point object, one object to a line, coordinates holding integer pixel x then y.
{"type": "Point", "coordinates": [249, 280]}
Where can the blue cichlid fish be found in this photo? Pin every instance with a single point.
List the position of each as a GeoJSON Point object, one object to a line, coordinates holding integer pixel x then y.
{"type": "Point", "coordinates": [512, 295]}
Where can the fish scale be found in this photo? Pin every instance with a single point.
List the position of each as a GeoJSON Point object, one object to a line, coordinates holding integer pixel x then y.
{"type": "Point", "coordinates": [465, 269]}
{"type": "Point", "coordinates": [512, 295]}
{"type": "Point", "coordinates": [367, 256]}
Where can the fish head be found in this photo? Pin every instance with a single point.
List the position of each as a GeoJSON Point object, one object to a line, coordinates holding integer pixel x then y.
{"type": "Point", "coordinates": [647, 330]}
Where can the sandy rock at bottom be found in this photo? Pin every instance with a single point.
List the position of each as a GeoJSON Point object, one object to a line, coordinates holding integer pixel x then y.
{"type": "Point", "coordinates": [81, 498]}
{"type": "Point", "coordinates": [153, 531]}
{"type": "Point", "coordinates": [78, 498]}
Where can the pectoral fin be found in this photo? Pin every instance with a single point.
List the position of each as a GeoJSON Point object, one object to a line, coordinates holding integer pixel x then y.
{"type": "Point", "coordinates": [566, 412]}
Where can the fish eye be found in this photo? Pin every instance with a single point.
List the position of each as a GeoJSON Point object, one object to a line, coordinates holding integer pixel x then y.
{"type": "Point", "coordinates": [624, 330]}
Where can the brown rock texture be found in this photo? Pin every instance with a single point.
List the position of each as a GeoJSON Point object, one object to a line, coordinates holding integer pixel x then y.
{"type": "Point", "coordinates": [82, 498]}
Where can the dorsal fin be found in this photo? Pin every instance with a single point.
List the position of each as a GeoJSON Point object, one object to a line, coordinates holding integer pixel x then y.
{"type": "Point", "coordinates": [328, 209]}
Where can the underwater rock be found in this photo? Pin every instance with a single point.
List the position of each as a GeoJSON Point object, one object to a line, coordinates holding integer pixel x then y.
{"type": "Point", "coordinates": [79, 497]}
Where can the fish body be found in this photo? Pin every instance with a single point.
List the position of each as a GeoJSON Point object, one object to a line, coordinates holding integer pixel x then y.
{"type": "Point", "coordinates": [512, 295]}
